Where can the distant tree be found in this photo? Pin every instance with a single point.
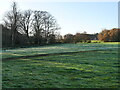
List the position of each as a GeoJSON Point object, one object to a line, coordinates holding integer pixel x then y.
{"type": "Point", "coordinates": [109, 35]}
{"type": "Point", "coordinates": [11, 21]}
{"type": "Point", "coordinates": [114, 35]}
{"type": "Point", "coordinates": [104, 35]}
{"type": "Point", "coordinates": [85, 37]}
{"type": "Point", "coordinates": [81, 37]}
{"type": "Point", "coordinates": [69, 38]}
{"type": "Point", "coordinates": [78, 37]}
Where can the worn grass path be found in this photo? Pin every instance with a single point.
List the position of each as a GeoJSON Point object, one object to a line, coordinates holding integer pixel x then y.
{"type": "Point", "coordinates": [50, 54]}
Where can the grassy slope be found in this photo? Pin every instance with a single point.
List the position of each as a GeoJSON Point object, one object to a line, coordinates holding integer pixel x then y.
{"type": "Point", "coordinates": [88, 69]}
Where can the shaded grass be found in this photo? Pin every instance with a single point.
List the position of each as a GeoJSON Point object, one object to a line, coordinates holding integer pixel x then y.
{"type": "Point", "coordinates": [82, 70]}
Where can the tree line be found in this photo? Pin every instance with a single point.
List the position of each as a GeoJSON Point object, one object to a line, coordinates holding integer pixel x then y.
{"type": "Point", "coordinates": [105, 35]}
{"type": "Point", "coordinates": [79, 37]}
{"type": "Point", "coordinates": [40, 25]}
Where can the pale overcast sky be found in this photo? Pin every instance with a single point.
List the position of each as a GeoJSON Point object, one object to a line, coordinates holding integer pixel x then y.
{"type": "Point", "coordinates": [73, 17]}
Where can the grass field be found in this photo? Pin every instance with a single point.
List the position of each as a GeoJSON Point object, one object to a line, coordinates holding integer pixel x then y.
{"type": "Point", "coordinates": [18, 52]}
{"type": "Point", "coordinates": [96, 69]}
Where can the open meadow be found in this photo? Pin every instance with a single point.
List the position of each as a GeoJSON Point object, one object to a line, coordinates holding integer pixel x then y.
{"type": "Point", "coordinates": [82, 65]}
{"type": "Point", "coordinates": [58, 45]}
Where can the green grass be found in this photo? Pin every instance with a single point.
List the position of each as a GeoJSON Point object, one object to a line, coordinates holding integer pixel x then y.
{"type": "Point", "coordinates": [56, 49]}
{"type": "Point", "coordinates": [98, 41]}
{"type": "Point", "coordinates": [98, 69]}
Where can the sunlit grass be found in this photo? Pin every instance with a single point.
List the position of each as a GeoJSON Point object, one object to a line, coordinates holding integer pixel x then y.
{"type": "Point", "coordinates": [96, 41]}
{"type": "Point", "coordinates": [111, 42]}
{"type": "Point", "coordinates": [98, 69]}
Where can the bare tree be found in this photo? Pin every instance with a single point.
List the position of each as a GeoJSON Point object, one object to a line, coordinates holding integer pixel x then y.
{"type": "Point", "coordinates": [38, 24]}
{"type": "Point", "coordinates": [41, 24]}
{"type": "Point", "coordinates": [25, 22]}
{"type": "Point", "coordinates": [50, 25]}
{"type": "Point", "coordinates": [11, 21]}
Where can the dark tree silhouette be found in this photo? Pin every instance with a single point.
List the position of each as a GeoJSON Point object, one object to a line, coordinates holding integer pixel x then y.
{"type": "Point", "coordinates": [44, 25]}
{"type": "Point", "coordinates": [38, 25]}
{"type": "Point", "coordinates": [32, 26]}
{"type": "Point", "coordinates": [11, 21]}
{"type": "Point", "coordinates": [25, 21]}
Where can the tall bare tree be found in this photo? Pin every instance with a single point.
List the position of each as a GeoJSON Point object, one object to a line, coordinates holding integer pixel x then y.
{"type": "Point", "coordinates": [50, 25]}
{"type": "Point", "coordinates": [25, 22]}
{"type": "Point", "coordinates": [44, 25]}
{"type": "Point", "coordinates": [11, 21]}
{"type": "Point", "coordinates": [38, 24]}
